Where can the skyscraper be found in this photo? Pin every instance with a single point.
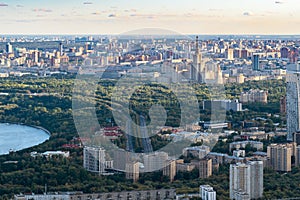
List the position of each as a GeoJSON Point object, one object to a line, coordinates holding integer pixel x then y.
{"type": "Point", "coordinates": [155, 161]}
{"type": "Point", "coordinates": [280, 156]}
{"type": "Point", "coordinates": [170, 169]}
{"type": "Point", "coordinates": [283, 105]}
{"type": "Point", "coordinates": [284, 52]}
{"type": "Point", "coordinates": [255, 62]}
{"type": "Point", "coordinates": [61, 48]}
{"type": "Point", "coordinates": [229, 54]}
{"type": "Point", "coordinates": [256, 176]}
{"type": "Point", "coordinates": [132, 171]}
{"type": "Point", "coordinates": [205, 168]}
{"type": "Point", "coordinates": [293, 103]}
{"type": "Point", "coordinates": [246, 179]}
{"type": "Point", "coordinates": [293, 55]}
{"type": "Point", "coordinates": [9, 48]}
{"type": "Point", "coordinates": [297, 156]}
{"type": "Point", "coordinates": [196, 68]}
{"type": "Point", "coordinates": [296, 138]}
{"type": "Point", "coordinates": [94, 159]}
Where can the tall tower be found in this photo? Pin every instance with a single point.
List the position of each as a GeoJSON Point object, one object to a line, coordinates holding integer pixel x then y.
{"type": "Point", "coordinates": [132, 171]}
{"type": "Point", "coordinates": [280, 156]}
{"type": "Point", "coordinates": [94, 159]}
{"type": "Point", "coordinates": [196, 68]}
{"type": "Point", "coordinates": [255, 62]}
{"type": "Point", "coordinates": [205, 168]}
{"type": "Point", "coordinates": [61, 48]}
{"type": "Point", "coordinates": [170, 169]}
{"type": "Point", "coordinates": [246, 179]}
{"type": "Point", "coordinates": [9, 48]}
{"type": "Point", "coordinates": [293, 103]}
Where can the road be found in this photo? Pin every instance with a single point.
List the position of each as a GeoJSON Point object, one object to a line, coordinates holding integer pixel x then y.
{"type": "Point", "coordinates": [145, 137]}
{"type": "Point", "coordinates": [129, 137]}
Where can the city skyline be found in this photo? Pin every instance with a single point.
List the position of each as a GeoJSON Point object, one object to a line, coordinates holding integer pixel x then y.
{"type": "Point", "coordinates": [117, 17]}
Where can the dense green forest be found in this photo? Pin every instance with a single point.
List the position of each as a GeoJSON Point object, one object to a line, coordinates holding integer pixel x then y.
{"type": "Point", "coordinates": [53, 111]}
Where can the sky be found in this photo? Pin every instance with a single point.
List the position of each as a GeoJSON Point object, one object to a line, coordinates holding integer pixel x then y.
{"type": "Point", "coordinates": [121, 16]}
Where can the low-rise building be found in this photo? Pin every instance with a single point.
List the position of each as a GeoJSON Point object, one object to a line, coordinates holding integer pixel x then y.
{"type": "Point", "coordinates": [243, 144]}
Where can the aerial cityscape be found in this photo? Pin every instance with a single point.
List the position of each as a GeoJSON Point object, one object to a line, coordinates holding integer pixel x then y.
{"type": "Point", "coordinates": [149, 100]}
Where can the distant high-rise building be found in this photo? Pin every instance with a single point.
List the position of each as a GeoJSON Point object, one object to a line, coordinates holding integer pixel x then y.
{"type": "Point", "coordinates": [293, 103]}
{"type": "Point", "coordinates": [246, 180]}
{"type": "Point", "coordinates": [61, 48]}
{"type": "Point", "coordinates": [296, 138]}
{"type": "Point", "coordinates": [280, 156]}
{"type": "Point", "coordinates": [132, 171]}
{"type": "Point", "coordinates": [284, 52]}
{"type": "Point", "coordinates": [255, 62]}
{"type": "Point", "coordinates": [9, 48]}
{"type": "Point", "coordinates": [244, 53]}
{"type": "Point", "coordinates": [94, 159]}
{"type": "Point", "coordinates": [36, 56]}
{"type": "Point", "coordinates": [205, 168]}
{"type": "Point", "coordinates": [297, 156]}
{"type": "Point", "coordinates": [237, 53]}
{"type": "Point", "coordinates": [293, 55]}
{"type": "Point", "coordinates": [254, 96]}
{"type": "Point", "coordinates": [207, 192]}
{"type": "Point", "coordinates": [170, 169]}
{"type": "Point", "coordinates": [121, 157]}
{"type": "Point", "coordinates": [155, 161]}
{"type": "Point", "coordinates": [197, 68]}
{"type": "Point", "coordinates": [283, 105]}
{"type": "Point", "coordinates": [230, 54]}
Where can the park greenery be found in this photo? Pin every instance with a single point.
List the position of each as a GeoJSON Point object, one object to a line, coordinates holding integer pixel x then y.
{"type": "Point", "coordinates": [47, 102]}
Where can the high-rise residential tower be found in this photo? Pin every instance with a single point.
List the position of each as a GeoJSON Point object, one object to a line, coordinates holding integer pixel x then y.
{"type": "Point", "coordinates": [246, 179]}
{"type": "Point", "coordinates": [9, 48]}
{"type": "Point", "coordinates": [94, 159]}
{"type": "Point", "coordinates": [196, 68]}
{"type": "Point", "coordinates": [255, 62]}
{"type": "Point", "coordinates": [293, 102]}
{"type": "Point", "coordinates": [280, 156]}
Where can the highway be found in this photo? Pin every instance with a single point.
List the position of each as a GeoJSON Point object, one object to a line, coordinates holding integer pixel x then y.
{"type": "Point", "coordinates": [129, 137]}
{"type": "Point", "coordinates": [145, 137]}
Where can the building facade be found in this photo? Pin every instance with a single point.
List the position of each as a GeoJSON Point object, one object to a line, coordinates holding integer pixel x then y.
{"type": "Point", "coordinates": [170, 169]}
{"type": "Point", "coordinates": [207, 192]}
{"type": "Point", "coordinates": [205, 168]}
{"type": "Point", "coordinates": [252, 96]}
{"type": "Point", "coordinates": [293, 103]}
{"type": "Point", "coordinates": [227, 105]}
{"type": "Point", "coordinates": [155, 161]}
{"type": "Point", "coordinates": [280, 156]}
{"type": "Point", "coordinates": [94, 159]}
{"type": "Point", "coordinates": [132, 171]}
{"type": "Point", "coordinates": [246, 180]}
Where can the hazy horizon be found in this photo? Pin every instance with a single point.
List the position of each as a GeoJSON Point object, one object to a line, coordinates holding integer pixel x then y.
{"type": "Point", "coordinates": [116, 17]}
